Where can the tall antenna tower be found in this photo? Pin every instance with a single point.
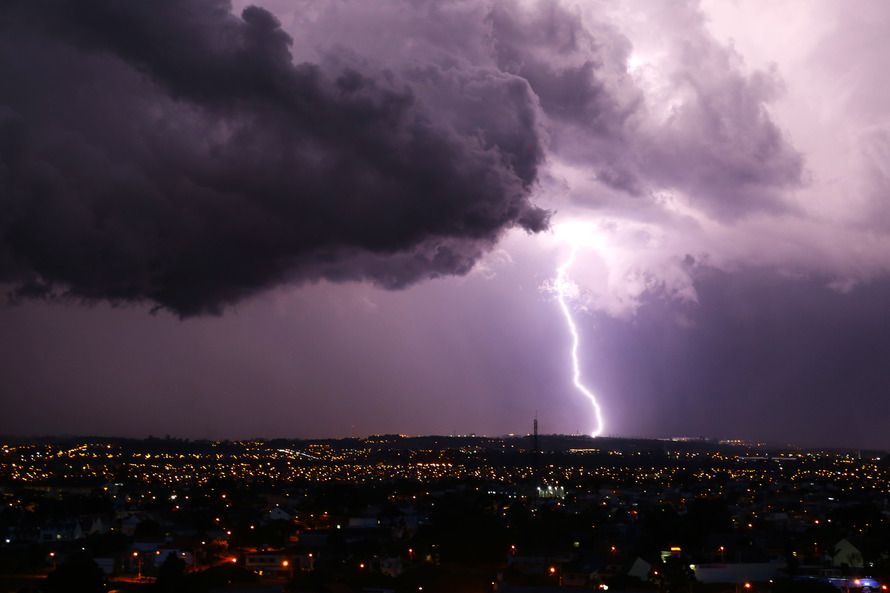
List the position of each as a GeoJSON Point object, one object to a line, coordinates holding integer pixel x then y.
{"type": "Point", "coordinates": [537, 451]}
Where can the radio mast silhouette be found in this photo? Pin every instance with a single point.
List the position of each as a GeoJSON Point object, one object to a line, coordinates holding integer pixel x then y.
{"type": "Point", "coordinates": [537, 452]}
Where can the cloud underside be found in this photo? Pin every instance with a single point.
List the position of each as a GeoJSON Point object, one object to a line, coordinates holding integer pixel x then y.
{"type": "Point", "coordinates": [180, 154]}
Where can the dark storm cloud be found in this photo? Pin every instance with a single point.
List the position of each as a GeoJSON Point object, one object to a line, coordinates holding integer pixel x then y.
{"type": "Point", "coordinates": [707, 134]}
{"type": "Point", "coordinates": [571, 68]}
{"type": "Point", "coordinates": [577, 69]}
{"type": "Point", "coordinates": [175, 153]}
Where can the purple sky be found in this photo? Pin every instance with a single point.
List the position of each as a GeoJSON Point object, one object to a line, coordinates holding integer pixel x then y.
{"type": "Point", "coordinates": [347, 217]}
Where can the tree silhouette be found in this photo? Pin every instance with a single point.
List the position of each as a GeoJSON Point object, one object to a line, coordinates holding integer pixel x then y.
{"type": "Point", "coordinates": [77, 574]}
{"type": "Point", "coordinates": [171, 574]}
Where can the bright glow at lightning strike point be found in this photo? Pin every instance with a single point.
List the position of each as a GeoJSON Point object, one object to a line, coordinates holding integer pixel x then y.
{"type": "Point", "coordinates": [561, 287]}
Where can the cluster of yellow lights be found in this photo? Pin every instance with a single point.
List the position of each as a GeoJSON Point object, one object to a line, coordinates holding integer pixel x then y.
{"type": "Point", "coordinates": [321, 463]}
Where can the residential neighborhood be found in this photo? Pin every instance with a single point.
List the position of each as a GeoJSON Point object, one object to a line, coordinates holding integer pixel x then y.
{"type": "Point", "coordinates": [448, 514]}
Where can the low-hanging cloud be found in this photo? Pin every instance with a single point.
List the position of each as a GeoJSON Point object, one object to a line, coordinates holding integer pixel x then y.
{"type": "Point", "coordinates": [176, 153]}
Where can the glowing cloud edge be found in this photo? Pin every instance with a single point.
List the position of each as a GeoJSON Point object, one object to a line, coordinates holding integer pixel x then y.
{"type": "Point", "coordinates": [561, 285]}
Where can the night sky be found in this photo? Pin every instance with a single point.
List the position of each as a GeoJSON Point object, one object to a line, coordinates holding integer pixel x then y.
{"type": "Point", "coordinates": [325, 218]}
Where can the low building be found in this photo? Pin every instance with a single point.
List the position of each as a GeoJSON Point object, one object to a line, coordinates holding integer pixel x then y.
{"type": "Point", "coordinates": [269, 564]}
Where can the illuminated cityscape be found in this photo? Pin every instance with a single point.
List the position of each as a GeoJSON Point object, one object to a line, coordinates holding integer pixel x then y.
{"type": "Point", "coordinates": [446, 513]}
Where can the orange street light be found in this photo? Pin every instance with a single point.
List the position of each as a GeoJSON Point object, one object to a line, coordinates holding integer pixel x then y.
{"type": "Point", "coordinates": [138, 570]}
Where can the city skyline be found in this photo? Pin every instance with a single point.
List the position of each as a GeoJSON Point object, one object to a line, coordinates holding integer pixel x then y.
{"type": "Point", "coordinates": [309, 220]}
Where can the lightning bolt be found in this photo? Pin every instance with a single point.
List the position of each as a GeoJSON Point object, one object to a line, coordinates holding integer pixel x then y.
{"type": "Point", "coordinates": [562, 287]}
